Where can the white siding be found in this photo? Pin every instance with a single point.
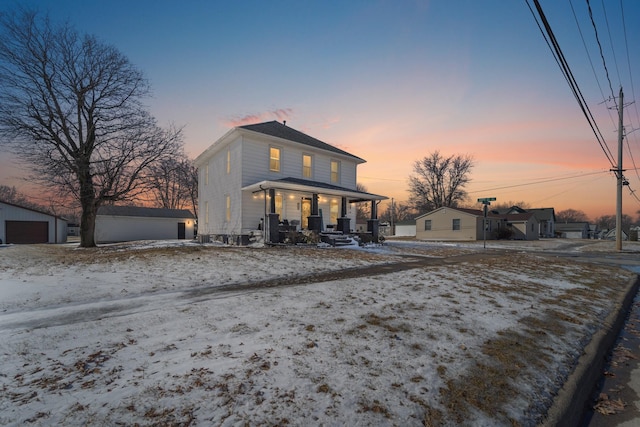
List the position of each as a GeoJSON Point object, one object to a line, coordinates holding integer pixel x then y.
{"type": "Point", "coordinates": [249, 165]}
{"type": "Point", "coordinates": [110, 228]}
{"type": "Point", "coordinates": [219, 186]}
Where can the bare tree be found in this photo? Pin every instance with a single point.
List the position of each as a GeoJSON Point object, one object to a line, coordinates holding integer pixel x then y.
{"type": "Point", "coordinates": [363, 209]}
{"type": "Point", "coordinates": [510, 204]}
{"type": "Point", "coordinates": [608, 222]}
{"type": "Point", "coordinates": [72, 107]}
{"type": "Point", "coordinates": [174, 184]}
{"type": "Point", "coordinates": [401, 212]}
{"type": "Point", "coordinates": [571, 215]}
{"type": "Point", "coordinates": [439, 181]}
{"type": "Point", "coordinates": [12, 195]}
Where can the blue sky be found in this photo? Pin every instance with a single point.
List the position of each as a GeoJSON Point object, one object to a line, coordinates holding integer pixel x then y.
{"type": "Point", "coordinates": [391, 82]}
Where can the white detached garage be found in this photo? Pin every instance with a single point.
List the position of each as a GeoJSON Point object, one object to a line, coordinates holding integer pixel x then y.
{"type": "Point", "coordinates": [126, 223]}
{"type": "Point", "coordinates": [19, 224]}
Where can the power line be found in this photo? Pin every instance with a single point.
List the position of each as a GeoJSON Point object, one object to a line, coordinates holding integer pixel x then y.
{"type": "Point", "coordinates": [541, 181]}
{"type": "Point", "coordinates": [569, 77]}
{"type": "Point", "coordinates": [613, 51]}
{"type": "Point", "coordinates": [593, 69]}
{"type": "Point", "coordinates": [604, 63]}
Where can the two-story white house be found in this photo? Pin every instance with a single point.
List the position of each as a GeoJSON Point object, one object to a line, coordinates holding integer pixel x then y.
{"type": "Point", "coordinates": [265, 175]}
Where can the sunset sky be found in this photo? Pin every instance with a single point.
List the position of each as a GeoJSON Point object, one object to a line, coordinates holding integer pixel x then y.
{"type": "Point", "coordinates": [392, 81]}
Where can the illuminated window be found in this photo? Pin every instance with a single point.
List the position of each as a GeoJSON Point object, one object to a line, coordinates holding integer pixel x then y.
{"type": "Point", "coordinates": [228, 161]}
{"type": "Point", "coordinates": [334, 211]}
{"type": "Point", "coordinates": [335, 171]}
{"type": "Point", "coordinates": [456, 224]}
{"type": "Point", "coordinates": [206, 213]}
{"type": "Point", "coordinates": [228, 208]}
{"type": "Point", "coordinates": [274, 159]}
{"type": "Point", "coordinates": [306, 166]}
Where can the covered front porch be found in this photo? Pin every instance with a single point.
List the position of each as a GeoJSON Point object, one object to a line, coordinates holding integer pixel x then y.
{"type": "Point", "coordinates": [292, 204]}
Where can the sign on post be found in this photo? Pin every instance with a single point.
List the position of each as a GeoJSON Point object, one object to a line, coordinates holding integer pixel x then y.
{"type": "Point", "coordinates": [486, 201]}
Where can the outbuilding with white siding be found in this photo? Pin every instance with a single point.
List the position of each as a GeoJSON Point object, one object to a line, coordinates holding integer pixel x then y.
{"type": "Point", "coordinates": [127, 223]}
{"type": "Point", "coordinates": [19, 224]}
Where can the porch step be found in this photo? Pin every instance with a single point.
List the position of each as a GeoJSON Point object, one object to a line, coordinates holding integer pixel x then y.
{"type": "Point", "coordinates": [337, 239]}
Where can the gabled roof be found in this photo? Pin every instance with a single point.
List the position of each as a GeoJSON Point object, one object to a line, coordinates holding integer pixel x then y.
{"type": "Point", "coordinates": [510, 217]}
{"type": "Point", "coordinates": [547, 214]}
{"type": "Point", "coordinates": [144, 212]}
{"type": "Point", "coordinates": [474, 212]}
{"type": "Point", "coordinates": [572, 226]}
{"type": "Point", "coordinates": [511, 210]}
{"type": "Point", "coordinates": [31, 209]}
{"type": "Point", "coordinates": [515, 217]}
{"type": "Point", "coordinates": [280, 130]}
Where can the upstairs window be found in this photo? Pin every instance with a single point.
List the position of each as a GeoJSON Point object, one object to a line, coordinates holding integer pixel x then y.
{"type": "Point", "coordinates": [335, 171]}
{"type": "Point", "coordinates": [274, 159]}
{"type": "Point", "coordinates": [306, 166]}
{"type": "Point", "coordinates": [456, 224]}
{"type": "Point", "coordinates": [228, 162]}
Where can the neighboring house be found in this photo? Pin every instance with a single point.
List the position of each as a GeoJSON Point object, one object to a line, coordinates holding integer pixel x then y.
{"type": "Point", "coordinates": [406, 228]}
{"type": "Point", "coordinates": [448, 223]}
{"type": "Point", "coordinates": [546, 218]}
{"type": "Point", "coordinates": [546, 221]}
{"type": "Point", "coordinates": [453, 224]}
{"type": "Point", "coordinates": [127, 223]}
{"type": "Point", "coordinates": [611, 235]}
{"type": "Point", "coordinates": [25, 225]}
{"type": "Point", "coordinates": [268, 175]}
{"type": "Point", "coordinates": [573, 230]}
{"type": "Point", "coordinates": [594, 231]}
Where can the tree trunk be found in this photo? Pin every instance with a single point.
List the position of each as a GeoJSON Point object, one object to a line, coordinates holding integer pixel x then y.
{"type": "Point", "coordinates": [89, 206]}
{"type": "Point", "coordinates": [88, 226]}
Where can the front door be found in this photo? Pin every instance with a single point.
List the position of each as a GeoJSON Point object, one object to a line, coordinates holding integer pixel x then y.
{"type": "Point", "coordinates": [306, 212]}
{"type": "Point", "coordinates": [181, 230]}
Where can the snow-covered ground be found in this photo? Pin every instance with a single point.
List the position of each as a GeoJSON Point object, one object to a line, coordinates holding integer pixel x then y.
{"type": "Point", "coordinates": [175, 333]}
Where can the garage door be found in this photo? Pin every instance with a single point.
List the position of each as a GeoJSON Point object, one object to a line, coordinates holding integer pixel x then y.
{"type": "Point", "coordinates": [27, 231]}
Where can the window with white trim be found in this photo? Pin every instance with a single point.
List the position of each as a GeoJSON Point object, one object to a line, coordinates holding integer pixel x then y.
{"type": "Point", "coordinates": [307, 164]}
{"type": "Point", "coordinates": [335, 171]}
{"type": "Point", "coordinates": [274, 159]}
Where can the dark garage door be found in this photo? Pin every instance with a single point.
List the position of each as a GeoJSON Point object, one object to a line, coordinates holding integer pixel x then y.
{"type": "Point", "coordinates": [27, 231]}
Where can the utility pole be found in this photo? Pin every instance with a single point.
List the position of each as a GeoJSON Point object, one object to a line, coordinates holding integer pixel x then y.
{"type": "Point", "coordinates": [619, 171]}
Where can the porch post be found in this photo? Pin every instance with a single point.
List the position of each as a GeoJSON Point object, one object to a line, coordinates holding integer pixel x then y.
{"type": "Point", "coordinates": [315, 222]}
{"type": "Point", "coordinates": [272, 219]}
{"type": "Point", "coordinates": [372, 224]}
{"type": "Point", "coordinates": [344, 222]}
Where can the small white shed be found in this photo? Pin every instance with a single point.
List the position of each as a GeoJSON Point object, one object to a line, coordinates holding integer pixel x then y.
{"type": "Point", "coordinates": [19, 224]}
{"type": "Point", "coordinates": [127, 223]}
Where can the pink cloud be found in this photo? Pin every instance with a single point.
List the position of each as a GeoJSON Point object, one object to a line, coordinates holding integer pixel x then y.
{"type": "Point", "coordinates": [280, 114]}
